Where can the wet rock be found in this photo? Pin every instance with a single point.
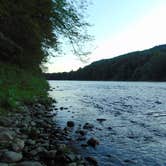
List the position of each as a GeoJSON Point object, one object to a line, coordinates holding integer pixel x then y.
{"type": "Point", "coordinates": [129, 161]}
{"type": "Point", "coordinates": [61, 108]}
{"type": "Point", "coordinates": [18, 145]}
{"type": "Point", "coordinates": [109, 128]}
{"type": "Point", "coordinates": [11, 157]}
{"type": "Point", "coordinates": [70, 124]}
{"type": "Point", "coordinates": [81, 132]}
{"type": "Point", "coordinates": [101, 120]}
{"type": "Point", "coordinates": [158, 102]}
{"type": "Point", "coordinates": [92, 161]}
{"type": "Point", "coordinates": [28, 163]}
{"type": "Point", "coordinates": [88, 126]}
{"type": "Point", "coordinates": [93, 142]}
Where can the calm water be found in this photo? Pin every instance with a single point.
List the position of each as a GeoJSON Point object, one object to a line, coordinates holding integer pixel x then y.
{"type": "Point", "coordinates": [134, 132]}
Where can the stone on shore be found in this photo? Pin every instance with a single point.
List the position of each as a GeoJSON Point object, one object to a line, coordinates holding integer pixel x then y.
{"type": "Point", "coordinates": [3, 164]}
{"type": "Point", "coordinates": [18, 145]}
{"type": "Point", "coordinates": [70, 124]}
{"type": "Point", "coordinates": [93, 142]}
{"type": "Point", "coordinates": [11, 157]}
{"type": "Point", "coordinates": [92, 161]}
{"type": "Point", "coordinates": [5, 135]}
{"type": "Point", "coordinates": [88, 126]}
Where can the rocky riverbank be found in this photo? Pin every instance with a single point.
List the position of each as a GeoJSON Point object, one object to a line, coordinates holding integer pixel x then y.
{"type": "Point", "coordinates": [30, 138]}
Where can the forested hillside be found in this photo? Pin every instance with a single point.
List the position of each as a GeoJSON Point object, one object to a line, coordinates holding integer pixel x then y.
{"type": "Point", "coordinates": [147, 65]}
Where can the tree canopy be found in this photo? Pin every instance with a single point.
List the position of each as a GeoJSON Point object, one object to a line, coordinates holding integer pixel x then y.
{"type": "Point", "coordinates": [147, 65]}
{"type": "Point", "coordinates": [37, 27]}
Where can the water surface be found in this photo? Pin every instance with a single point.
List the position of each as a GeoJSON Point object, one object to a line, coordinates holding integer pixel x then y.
{"type": "Point", "coordinates": [134, 132]}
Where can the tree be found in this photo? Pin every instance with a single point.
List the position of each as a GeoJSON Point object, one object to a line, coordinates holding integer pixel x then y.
{"type": "Point", "coordinates": [37, 26]}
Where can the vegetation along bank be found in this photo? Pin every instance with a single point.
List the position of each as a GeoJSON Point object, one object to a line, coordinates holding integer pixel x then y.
{"type": "Point", "coordinates": [30, 32]}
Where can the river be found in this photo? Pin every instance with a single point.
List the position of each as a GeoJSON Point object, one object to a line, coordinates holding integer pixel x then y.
{"type": "Point", "coordinates": [133, 131]}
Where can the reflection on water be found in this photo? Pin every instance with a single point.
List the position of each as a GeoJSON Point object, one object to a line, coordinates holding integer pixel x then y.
{"type": "Point", "coordinates": [134, 132]}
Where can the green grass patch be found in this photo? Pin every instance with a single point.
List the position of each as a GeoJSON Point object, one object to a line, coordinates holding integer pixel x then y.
{"type": "Point", "coordinates": [19, 86]}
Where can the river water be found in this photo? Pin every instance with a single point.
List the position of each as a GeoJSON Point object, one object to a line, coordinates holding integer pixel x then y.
{"type": "Point", "coordinates": [134, 130]}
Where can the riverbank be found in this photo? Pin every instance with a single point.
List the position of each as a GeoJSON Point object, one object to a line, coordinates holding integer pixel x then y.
{"type": "Point", "coordinates": [29, 137]}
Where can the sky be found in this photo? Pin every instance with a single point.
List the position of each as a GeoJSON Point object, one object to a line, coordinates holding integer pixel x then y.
{"type": "Point", "coordinates": [119, 27]}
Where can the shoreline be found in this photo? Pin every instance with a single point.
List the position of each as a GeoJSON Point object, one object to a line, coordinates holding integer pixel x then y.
{"type": "Point", "coordinates": [30, 137]}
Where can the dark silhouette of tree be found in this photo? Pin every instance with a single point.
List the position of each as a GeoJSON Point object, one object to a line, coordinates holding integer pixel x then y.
{"type": "Point", "coordinates": [36, 26]}
{"type": "Point", "coordinates": [148, 65]}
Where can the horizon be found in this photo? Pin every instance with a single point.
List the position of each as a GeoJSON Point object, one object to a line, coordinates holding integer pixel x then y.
{"type": "Point", "coordinates": [107, 59]}
{"type": "Point", "coordinates": [143, 28]}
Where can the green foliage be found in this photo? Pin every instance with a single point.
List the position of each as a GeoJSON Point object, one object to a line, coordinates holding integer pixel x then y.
{"type": "Point", "coordinates": [18, 86]}
{"type": "Point", "coordinates": [37, 26]}
{"type": "Point", "coordinates": [148, 65]}
{"type": "Point", "coordinates": [30, 30]}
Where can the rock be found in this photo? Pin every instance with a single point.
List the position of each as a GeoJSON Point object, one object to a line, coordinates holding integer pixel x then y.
{"type": "Point", "coordinates": [30, 142]}
{"type": "Point", "coordinates": [101, 120]}
{"type": "Point", "coordinates": [81, 132]}
{"type": "Point", "coordinates": [34, 133]}
{"type": "Point", "coordinates": [109, 128]}
{"type": "Point", "coordinates": [61, 108]}
{"type": "Point", "coordinates": [71, 157]}
{"type": "Point", "coordinates": [11, 157]}
{"type": "Point", "coordinates": [5, 135]}
{"type": "Point", "coordinates": [92, 161]}
{"type": "Point", "coordinates": [72, 164]}
{"type": "Point", "coordinates": [88, 126]}
{"type": "Point", "coordinates": [70, 124]}
{"type": "Point", "coordinates": [18, 145]}
{"type": "Point", "coordinates": [4, 121]}
{"type": "Point", "coordinates": [93, 142]}
{"type": "Point", "coordinates": [38, 150]}
{"type": "Point", "coordinates": [3, 164]}
{"type": "Point", "coordinates": [158, 102]}
{"type": "Point", "coordinates": [61, 147]}
{"type": "Point", "coordinates": [28, 163]}
{"type": "Point", "coordinates": [51, 154]}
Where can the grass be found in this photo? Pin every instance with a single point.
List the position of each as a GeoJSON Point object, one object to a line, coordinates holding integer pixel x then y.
{"type": "Point", "coordinates": [18, 86]}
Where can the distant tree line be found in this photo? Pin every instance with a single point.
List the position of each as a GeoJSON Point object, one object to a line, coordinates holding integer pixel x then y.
{"type": "Point", "coordinates": [147, 65]}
